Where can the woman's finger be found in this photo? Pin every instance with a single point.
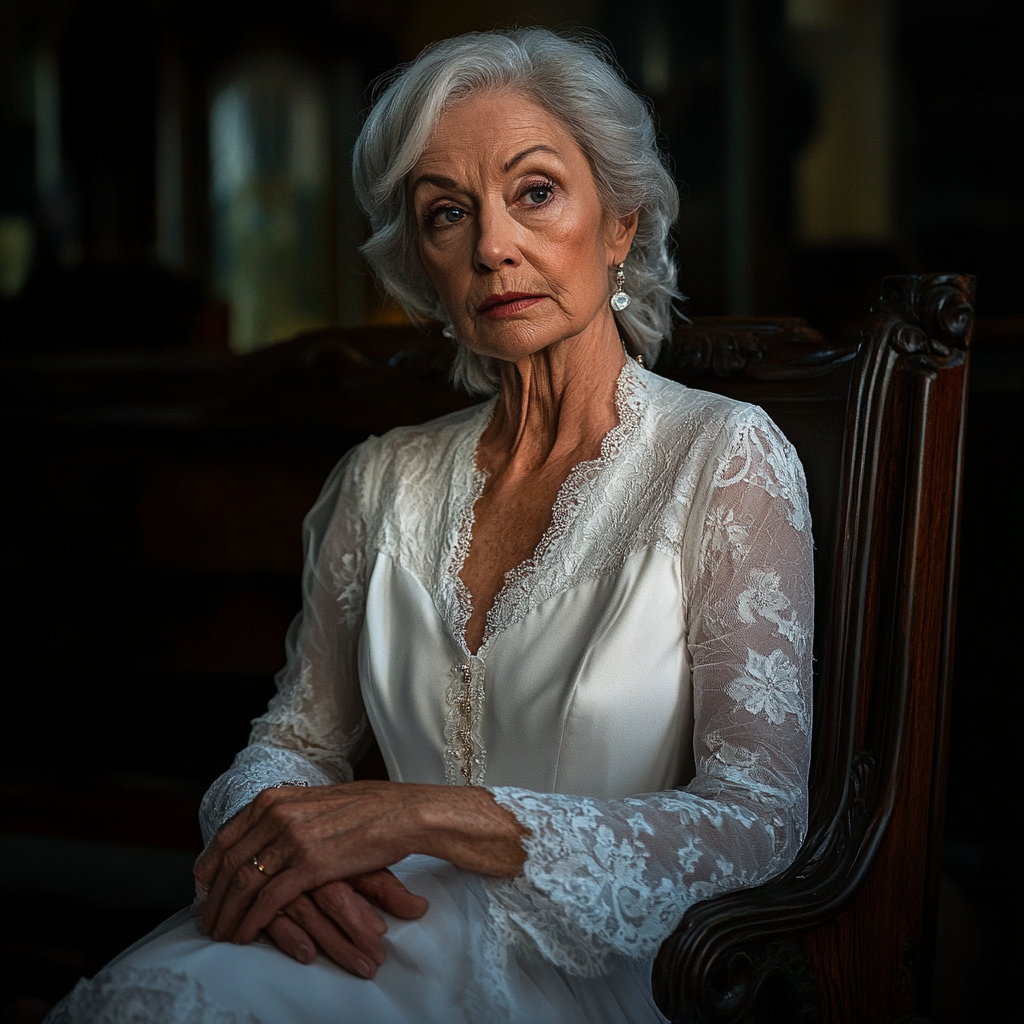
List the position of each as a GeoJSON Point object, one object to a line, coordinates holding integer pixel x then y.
{"type": "Point", "coordinates": [356, 917]}
{"type": "Point", "coordinates": [390, 894]}
{"type": "Point", "coordinates": [252, 848]}
{"type": "Point", "coordinates": [227, 836]}
{"type": "Point", "coordinates": [306, 838]}
{"type": "Point", "coordinates": [221, 916]}
{"type": "Point", "coordinates": [361, 954]}
{"type": "Point", "coordinates": [291, 939]}
{"type": "Point", "coordinates": [230, 874]}
{"type": "Point", "coordinates": [262, 905]}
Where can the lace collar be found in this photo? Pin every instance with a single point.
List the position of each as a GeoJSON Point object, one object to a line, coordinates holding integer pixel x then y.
{"type": "Point", "coordinates": [512, 601]}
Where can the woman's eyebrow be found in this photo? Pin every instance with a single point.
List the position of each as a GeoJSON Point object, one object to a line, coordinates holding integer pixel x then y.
{"type": "Point", "coordinates": [435, 179]}
{"type": "Point", "coordinates": [450, 183]}
{"type": "Point", "coordinates": [526, 152]}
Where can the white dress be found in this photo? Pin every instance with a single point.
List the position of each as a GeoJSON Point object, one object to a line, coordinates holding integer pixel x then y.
{"type": "Point", "coordinates": [640, 702]}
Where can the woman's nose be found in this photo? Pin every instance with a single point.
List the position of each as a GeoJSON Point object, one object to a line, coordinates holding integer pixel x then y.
{"type": "Point", "coordinates": [496, 245]}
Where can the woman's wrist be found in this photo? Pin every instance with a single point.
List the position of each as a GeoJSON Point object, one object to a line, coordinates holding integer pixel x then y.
{"type": "Point", "coordinates": [467, 827]}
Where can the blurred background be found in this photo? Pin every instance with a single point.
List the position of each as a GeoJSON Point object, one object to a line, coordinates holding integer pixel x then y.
{"type": "Point", "coordinates": [175, 202]}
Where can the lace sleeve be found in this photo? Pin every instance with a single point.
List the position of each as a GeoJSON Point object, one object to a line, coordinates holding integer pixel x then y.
{"type": "Point", "coordinates": [315, 726]}
{"type": "Point", "coordinates": [605, 879]}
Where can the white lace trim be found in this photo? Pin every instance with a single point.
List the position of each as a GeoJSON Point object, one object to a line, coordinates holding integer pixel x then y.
{"type": "Point", "coordinates": [513, 601]}
{"type": "Point", "coordinates": [519, 591]}
{"type": "Point", "coordinates": [465, 756]}
{"type": "Point", "coordinates": [142, 995]}
{"type": "Point", "coordinates": [461, 601]}
{"type": "Point", "coordinates": [596, 886]}
{"type": "Point", "coordinates": [256, 768]}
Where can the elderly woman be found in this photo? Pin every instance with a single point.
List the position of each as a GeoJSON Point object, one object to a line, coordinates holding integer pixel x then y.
{"type": "Point", "coordinates": [576, 617]}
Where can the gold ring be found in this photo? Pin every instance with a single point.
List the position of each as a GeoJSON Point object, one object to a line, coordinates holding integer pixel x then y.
{"type": "Point", "coordinates": [257, 864]}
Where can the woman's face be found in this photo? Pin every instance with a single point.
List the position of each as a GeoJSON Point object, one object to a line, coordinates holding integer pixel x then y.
{"type": "Point", "coordinates": [511, 228]}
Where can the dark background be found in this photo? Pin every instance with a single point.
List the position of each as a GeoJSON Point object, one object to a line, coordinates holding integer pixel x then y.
{"type": "Point", "coordinates": [149, 572]}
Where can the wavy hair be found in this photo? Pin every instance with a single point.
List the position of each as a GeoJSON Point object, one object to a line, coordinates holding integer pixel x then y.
{"type": "Point", "coordinates": [577, 81]}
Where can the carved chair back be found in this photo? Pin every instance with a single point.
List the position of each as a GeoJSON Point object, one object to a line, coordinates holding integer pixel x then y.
{"type": "Point", "coordinates": [846, 935]}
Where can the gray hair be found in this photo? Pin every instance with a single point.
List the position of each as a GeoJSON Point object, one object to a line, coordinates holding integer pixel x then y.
{"type": "Point", "coordinates": [577, 81]}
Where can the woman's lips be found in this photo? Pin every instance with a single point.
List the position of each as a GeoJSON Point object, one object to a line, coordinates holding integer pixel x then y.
{"type": "Point", "coordinates": [508, 304]}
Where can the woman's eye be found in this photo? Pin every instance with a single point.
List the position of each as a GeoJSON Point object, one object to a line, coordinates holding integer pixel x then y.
{"type": "Point", "coordinates": [538, 195]}
{"type": "Point", "coordinates": [445, 216]}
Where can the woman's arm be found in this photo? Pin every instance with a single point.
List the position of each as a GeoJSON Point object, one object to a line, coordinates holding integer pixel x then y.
{"type": "Point", "coordinates": [311, 733]}
{"type": "Point", "coordinates": [315, 727]}
{"type": "Point", "coordinates": [613, 878]}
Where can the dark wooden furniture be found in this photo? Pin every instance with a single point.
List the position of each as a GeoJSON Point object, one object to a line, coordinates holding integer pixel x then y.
{"type": "Point", "coordinates": [151, 550]}
{"type": "Point", "coordinates": [846, 935]}
{"type": "Point", "coordinates": [164, 494]}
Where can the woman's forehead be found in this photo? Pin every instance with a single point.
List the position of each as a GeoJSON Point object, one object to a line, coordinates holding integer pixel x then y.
{"type": "Point", "coordinates": [498, 125]}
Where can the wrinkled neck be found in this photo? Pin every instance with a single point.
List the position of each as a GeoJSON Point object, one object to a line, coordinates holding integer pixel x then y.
{"type": "Point", "coordinates": [556, 403]}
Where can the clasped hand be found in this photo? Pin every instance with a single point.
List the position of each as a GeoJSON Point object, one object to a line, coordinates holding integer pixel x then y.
{"type": "Point", "coordinates": [324, 853]}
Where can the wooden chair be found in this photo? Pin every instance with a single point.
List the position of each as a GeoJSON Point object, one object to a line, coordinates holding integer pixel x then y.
{"type": "Point", "coordinates": [846, 935]}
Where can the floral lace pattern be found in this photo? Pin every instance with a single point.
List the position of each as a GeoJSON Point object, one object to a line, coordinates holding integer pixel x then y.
{"type": "Point", "coordinates": [348, 575]}
{"type": "Point", "coordinates": [133, 995]}
{"type": "Point", "coordinates": [772, 465]}
{"type": "Point", "coordinates": [770, 686]}
{"type": "Point", "coordinates": [765, 597]}
{"type": "Point", "coordinates": [258, 767]}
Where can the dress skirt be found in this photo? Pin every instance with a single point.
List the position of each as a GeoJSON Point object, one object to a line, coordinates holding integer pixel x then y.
{"type": "Point", "coordinates": [433, 973]}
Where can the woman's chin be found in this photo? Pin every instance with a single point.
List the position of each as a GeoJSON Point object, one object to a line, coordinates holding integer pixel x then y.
{"type": "Point", "coordinates": [510, 340]}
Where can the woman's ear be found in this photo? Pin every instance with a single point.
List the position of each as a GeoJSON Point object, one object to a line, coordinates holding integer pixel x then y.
{"type": "Point", "coordinates": [620, 236]}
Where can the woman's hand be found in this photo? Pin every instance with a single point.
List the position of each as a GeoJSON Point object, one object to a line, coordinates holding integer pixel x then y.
{"type": "Point", "coordinates": [306, 838]}
{"type": "Point", "coordinates": [301, 838]}
{"type": "Point", "coordinates": [340, 919]}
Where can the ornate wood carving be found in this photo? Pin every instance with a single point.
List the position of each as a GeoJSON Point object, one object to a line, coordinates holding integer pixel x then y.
{"type": "Point", "coordinates": [777, 973]}
{"type": "Point", "coordinates": [848, 826]}
{"type": "Point", "coordinates": [727, 352]}
{"type": "Point", "coordinates": [858, 887]}
{"type": "Point", "coordinates": [930, 315]}
{"type": "Point", "coordinates": [784, 348]}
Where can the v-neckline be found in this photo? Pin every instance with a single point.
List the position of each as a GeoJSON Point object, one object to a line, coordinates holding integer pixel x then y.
{"type": "Point", "coordinates": [557, 526]}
